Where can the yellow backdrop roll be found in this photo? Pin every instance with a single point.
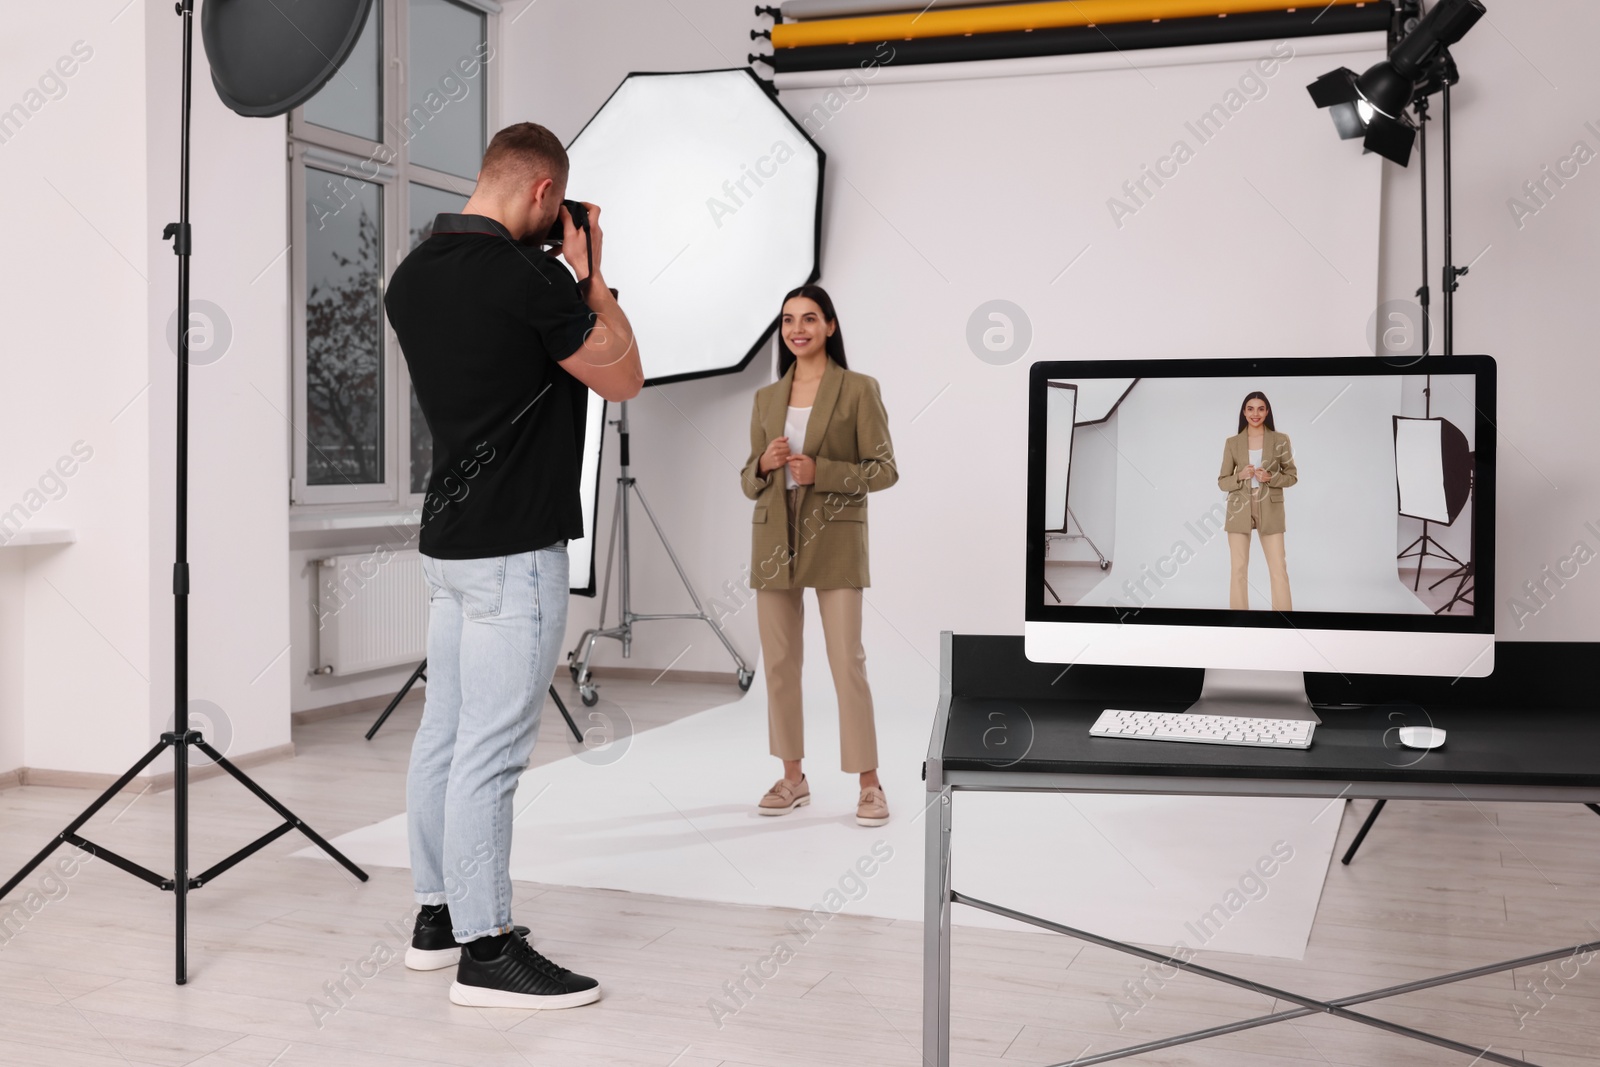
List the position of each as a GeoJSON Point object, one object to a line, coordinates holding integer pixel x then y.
{"type": "Point", "coordinates": [958, 21]}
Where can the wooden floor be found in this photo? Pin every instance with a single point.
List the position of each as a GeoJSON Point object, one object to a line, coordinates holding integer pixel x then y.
{"type": "Point", "coordinates": [86, 977]}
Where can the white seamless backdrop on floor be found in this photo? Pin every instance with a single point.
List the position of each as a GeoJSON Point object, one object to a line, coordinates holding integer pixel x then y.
{"type": "Point", "coordinates": [673, 813]}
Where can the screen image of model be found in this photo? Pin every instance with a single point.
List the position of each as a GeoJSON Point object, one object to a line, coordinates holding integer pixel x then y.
{"type": "Point", "coordinates": [1257, 493]}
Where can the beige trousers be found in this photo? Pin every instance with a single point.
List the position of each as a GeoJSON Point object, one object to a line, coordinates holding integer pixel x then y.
{"type": "Point", "coordinates": [780, 615]}
{"type": "Point", "coordinates": [1277, 563]}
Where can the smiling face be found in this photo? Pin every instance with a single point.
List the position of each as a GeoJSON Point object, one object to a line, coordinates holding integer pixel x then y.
{"type": "Point", "coordinates": [1255, 413]}
{"type": "Point", "coordinates": [805, 330]}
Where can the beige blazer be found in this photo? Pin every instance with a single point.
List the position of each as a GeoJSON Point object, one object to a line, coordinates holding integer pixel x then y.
{"type": "Point", "coordinates": [1276, 456]}
{"type": "Point", "coordinates": [848, 436]}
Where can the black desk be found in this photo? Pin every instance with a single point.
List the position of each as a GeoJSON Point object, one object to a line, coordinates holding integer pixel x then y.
{"type": "Point", "coordinates": [1531, 733]}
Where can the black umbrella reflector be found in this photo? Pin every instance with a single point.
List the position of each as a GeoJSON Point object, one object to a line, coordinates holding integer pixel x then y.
{"type": "Point", "coordinates": [270, 56]}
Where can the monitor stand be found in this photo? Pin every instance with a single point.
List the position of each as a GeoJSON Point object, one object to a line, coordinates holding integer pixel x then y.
{"type": "Point", "coordinates": [1255, 695]}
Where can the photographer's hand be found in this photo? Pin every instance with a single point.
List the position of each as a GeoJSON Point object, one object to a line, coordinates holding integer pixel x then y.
{"type": "Point", "coordinates": [575, 244]}
{"type": "Point", "coordinates": [608, 361]}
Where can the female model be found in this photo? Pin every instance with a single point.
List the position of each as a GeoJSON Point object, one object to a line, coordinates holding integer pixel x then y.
{"type": "Point", "coordinates": [819, 443]}
{"type": "Point", "coordinates": [1257, 466]}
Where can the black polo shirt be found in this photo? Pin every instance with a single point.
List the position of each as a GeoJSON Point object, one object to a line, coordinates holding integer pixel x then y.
{"type": "Point", "coordinates": [483, 323]}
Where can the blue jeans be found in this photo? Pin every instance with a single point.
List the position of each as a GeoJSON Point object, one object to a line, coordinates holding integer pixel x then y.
{"type": "Point", "coordinates": [495, 628]}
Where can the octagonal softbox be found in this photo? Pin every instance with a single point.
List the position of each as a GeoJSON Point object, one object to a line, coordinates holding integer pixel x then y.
{"type": "Point", "coordinates": [711, 197]}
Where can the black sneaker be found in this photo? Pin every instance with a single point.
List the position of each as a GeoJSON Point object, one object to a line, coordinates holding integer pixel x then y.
{"type": "Point", "coordinates": [433, 946]}
{"type": "Point", "coordinates": [519, 978]}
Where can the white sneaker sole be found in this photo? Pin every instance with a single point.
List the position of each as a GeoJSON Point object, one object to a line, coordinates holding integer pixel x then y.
{"type": "Point", "coordinates": [472, 996]}
{"type": "Point", "coordinates": [871, 822]}
{"type": "Point", "coordinates": [418, 959]}
{"type": "Point", "coordinates": [802, 802]}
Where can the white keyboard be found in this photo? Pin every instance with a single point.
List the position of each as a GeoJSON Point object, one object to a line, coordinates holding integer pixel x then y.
{"type": "Point", "coordinates": [1203, 729]}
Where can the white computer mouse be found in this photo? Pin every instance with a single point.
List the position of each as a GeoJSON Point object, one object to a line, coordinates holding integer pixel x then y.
{"type": "Point", "coordinates": [1421, 736]}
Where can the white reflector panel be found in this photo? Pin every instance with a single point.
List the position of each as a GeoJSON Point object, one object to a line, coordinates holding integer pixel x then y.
{"type": "Point", "coordinates": [1061, 406]}
{"type": "Point", "coordinates": [1419, 469]}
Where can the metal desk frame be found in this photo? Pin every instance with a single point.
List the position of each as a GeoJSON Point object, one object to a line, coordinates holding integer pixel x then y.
{"type": "Point", "coordinates": [940, 895]}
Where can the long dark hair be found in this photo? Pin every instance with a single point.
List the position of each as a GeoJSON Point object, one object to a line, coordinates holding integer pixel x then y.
{"type": "Point", "coordinates": [1257, 395]}
{"type": "Point", "coordinates": [834, 346]}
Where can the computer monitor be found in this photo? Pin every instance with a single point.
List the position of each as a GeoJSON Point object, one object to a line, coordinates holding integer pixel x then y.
{"type": "Point", "coordinates": [1155, 540]}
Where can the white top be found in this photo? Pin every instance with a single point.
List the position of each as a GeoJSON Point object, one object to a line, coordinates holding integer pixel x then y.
{"type": "Point", "coordinates": [794, 428]}
{"type": "Point", "coordinates": [1255, 461]}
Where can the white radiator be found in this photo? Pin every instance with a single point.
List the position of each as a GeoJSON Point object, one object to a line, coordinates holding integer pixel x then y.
{"type": "Point", "coordinates": [372, 612]}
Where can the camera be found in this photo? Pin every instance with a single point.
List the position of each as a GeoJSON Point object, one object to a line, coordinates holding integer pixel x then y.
{"type": "Point", "coordinates": [553, 240]}
{"type": "Point", "coordinates": [580, 219]}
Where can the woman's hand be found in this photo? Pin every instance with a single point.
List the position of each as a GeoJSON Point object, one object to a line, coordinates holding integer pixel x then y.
{"type": "Point", "coordinates": [804, 469]}
{"type": "Point", "coordinates": [776, 455]}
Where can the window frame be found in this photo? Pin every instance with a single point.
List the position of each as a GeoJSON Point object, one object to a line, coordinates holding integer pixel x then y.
{"type": "Point", "coordinates": [313, 147]}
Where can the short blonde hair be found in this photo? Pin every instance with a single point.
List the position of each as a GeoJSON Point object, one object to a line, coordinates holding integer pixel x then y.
{"type": "Point", "coordinates": [526, 152]}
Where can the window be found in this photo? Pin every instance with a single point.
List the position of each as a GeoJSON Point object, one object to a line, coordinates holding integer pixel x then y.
{"type": "Point", "coordinates": [391, 141]}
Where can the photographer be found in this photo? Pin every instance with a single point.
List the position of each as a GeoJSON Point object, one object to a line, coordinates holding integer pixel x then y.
{"type": "Point", "coordinates": [503, 346]}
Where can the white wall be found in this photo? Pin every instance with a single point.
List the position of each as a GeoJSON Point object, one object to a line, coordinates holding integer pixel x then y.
{"type": "Point", "coordinates": [945, 196]}
{"type": "Point", "coordinates": [936, 205]}
{"type": "Point", "coordinates": [238, 468]}
{"type": "Point", "coordinates": [12, 645]}
{"type": "Point", "coordinates": [75, 356]}
{"type": "Point", "coordinates": [1526, 96]}
{"type": "Point", "coordinates": [90, 181]}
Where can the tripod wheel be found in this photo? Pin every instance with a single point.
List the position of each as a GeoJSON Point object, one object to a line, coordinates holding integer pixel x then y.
{"type": "Point", "coordinates": [745, 678]}
{"type": "Point", "coordinates": [572, 669]}
{"type": "Point", "coordinates": [589, 695]}
{"type": "Point", "coordinates": [1105, 564]}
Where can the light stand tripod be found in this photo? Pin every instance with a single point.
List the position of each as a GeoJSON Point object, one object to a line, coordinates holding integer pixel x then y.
{"type": "Point", "coordinates": [1066, 534]}
{"type": "Point", "coordinates": [1465, 572]}
{"type": "Point", "coordinates": [1465, 575]}
{"type": "Point", "coordinates": [619, 552]}
{"type": "Point", "coordinates": [181, 738]}
{"type": "Point", "coordinates": [1425, 545]}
